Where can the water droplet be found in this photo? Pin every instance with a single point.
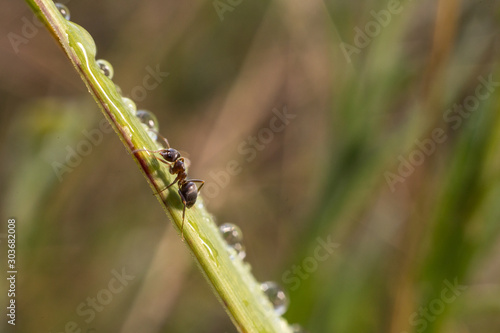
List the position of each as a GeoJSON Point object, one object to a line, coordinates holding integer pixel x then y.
{"type": "Point", "coordinates": [105, 68]}
{"type": "Point", "coordinates": [148, 119]}
{"type": "Point", "coordinates": [240, 250]}
{"type": "Point", "coordinates": [296, 328]}
{"type": "Point", "coordinates": [233, 236]}
{"type": "Point", "coordinates": [231, 233]}
{"type": "Point", "coordinates": [211, 252]}
{"type": "Point", "coordinates": [129, 104]}
{"type": "Point", "coordinates": [82, 41]}
{"type": "Point", "coordinates": [276, 295]}
{"type": "Point", "coordinates": [152, 134]}
{"type": "Point", "coordinates": [118, 89]}
{"type": "Point", "coordinates": [63, 10]}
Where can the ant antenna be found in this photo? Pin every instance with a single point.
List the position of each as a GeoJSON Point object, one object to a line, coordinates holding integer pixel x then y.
{"type": "Point", "coordinates": [164, 138]}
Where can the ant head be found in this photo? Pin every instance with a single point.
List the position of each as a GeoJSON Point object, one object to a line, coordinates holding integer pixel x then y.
{"type": "Point", "coordinates": [170, 154]}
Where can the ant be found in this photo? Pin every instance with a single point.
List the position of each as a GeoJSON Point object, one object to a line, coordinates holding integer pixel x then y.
{"type": "Point", "coordinates": [187, 187]}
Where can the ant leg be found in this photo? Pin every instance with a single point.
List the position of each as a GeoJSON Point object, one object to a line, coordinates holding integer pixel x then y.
{"type": "Point", "coordinates": [162, 161]}
{"type": "Point", "coordinates": [183, 216]}
{"type": "Point", "coordinates": [153, 151]}
{"type": "Point", "coordinates": [183, 213]}
{"type": "Point", "coordinates": [172, 183]}
{"type": "Point", "coordinates": [198, 181]}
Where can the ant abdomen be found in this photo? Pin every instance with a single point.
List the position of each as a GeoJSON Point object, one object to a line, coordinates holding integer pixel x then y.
{"type": "Point", "coordinates": [190, 193]}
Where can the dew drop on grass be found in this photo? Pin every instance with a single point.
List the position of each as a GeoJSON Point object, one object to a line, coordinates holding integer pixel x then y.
{"type": "Point", "coordinates": [82, 41]}
{"type": "Point", "coordinates": [148, 119]}
{"type": "Point", "coordinates": [240, 250]}
{"type": "Point", "coordinates": [231, 233]}
{"type": "Point", "coordinates": [233, 236]}
{"type": "Point", "coordinates": [276, 295]}
{"type": "Point", "coordinates": [105, 68]}
{"type": "Point", "coordinates": [150, 123]}
{"type": "Point", "coordinates": [152, 134]}
{"type": "Point", "coordinates": [129, 104]}
{"type": "Point", "coordinates": [63, 10]}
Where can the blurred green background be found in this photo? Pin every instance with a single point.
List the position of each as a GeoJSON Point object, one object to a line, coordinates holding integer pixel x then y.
{"type": "Point", "coordinates": [392, 158]}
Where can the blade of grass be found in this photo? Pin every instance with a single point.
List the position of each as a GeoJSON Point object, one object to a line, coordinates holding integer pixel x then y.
{"type": "Point", "coordinates": [231, 279]}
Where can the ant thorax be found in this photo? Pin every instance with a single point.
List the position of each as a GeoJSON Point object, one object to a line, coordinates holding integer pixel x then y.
{"type": "Point", "coordinates": [178, 166]}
